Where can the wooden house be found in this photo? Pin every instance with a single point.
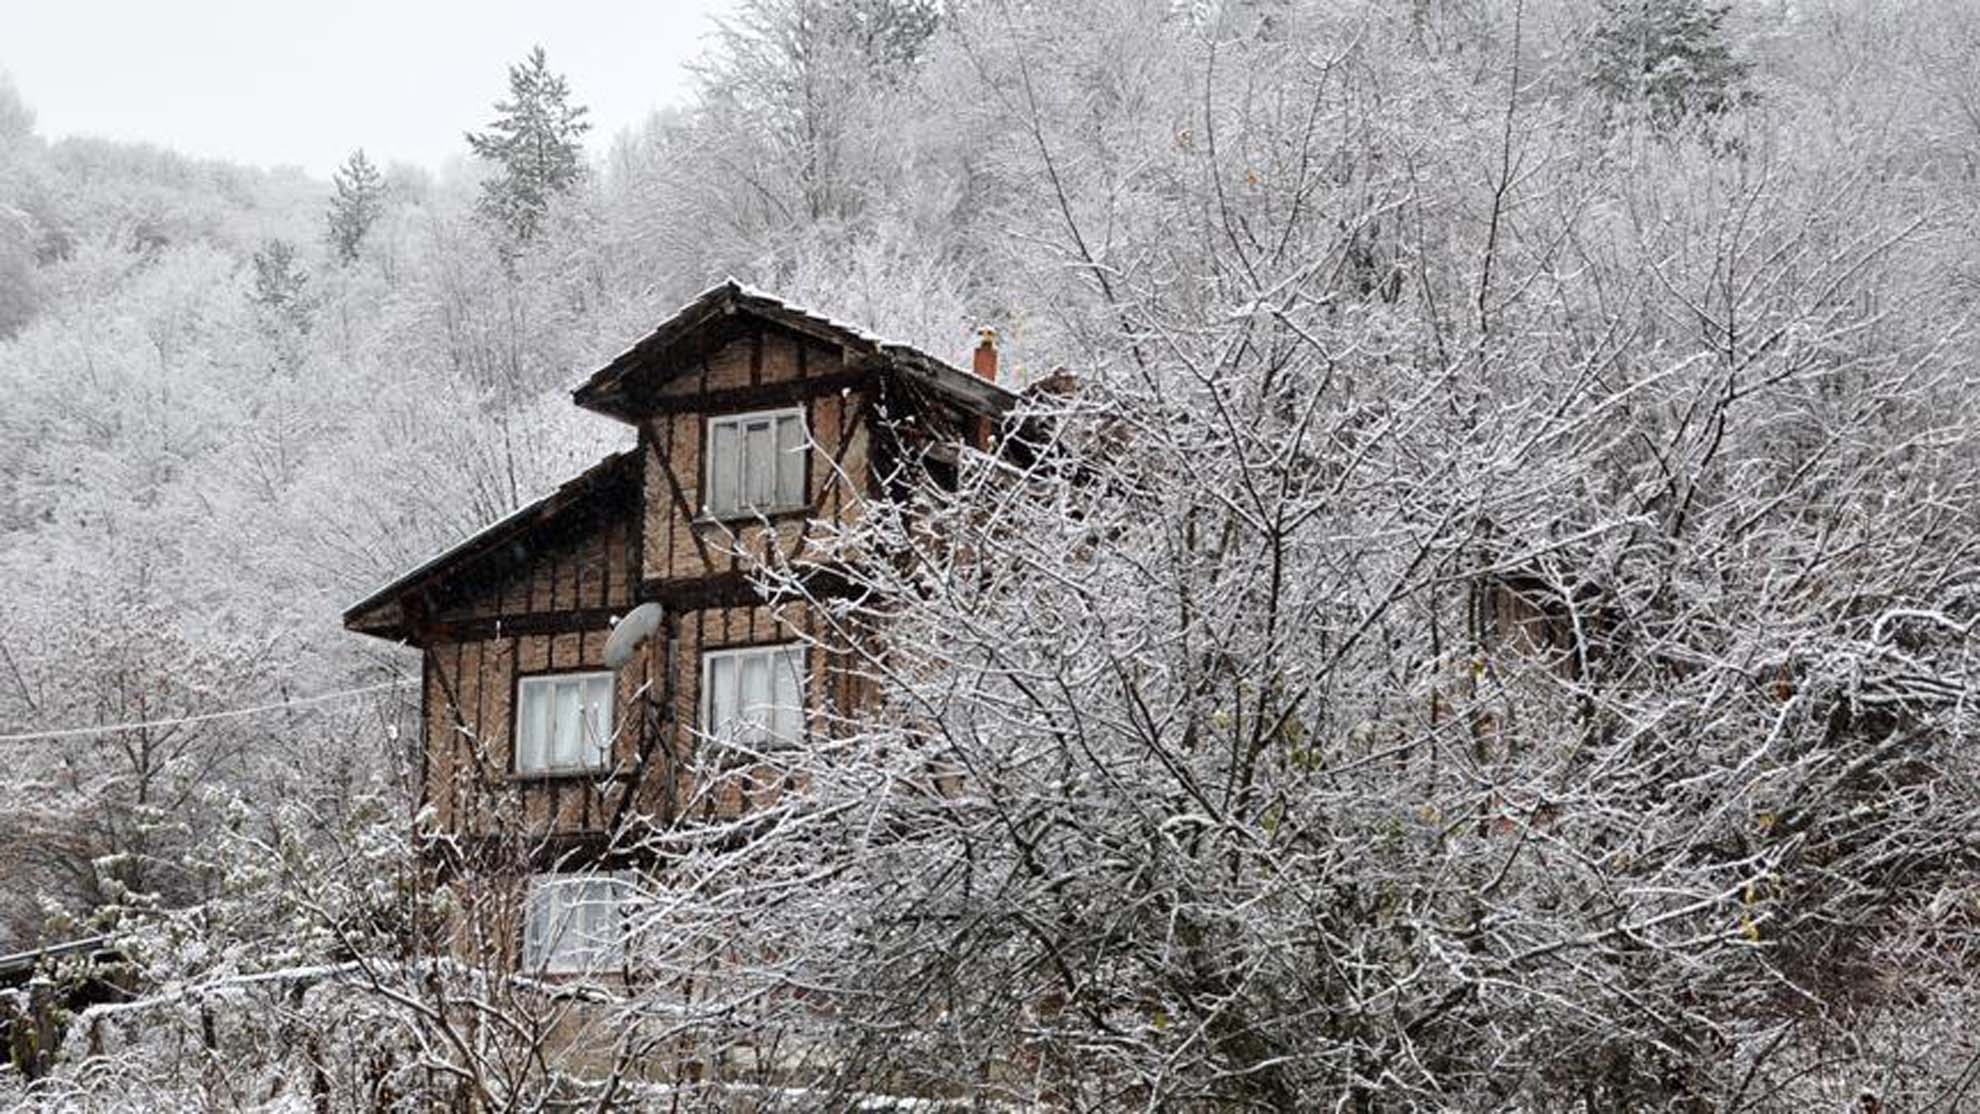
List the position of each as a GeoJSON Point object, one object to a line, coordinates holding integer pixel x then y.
{"type": "Point", "coordinates": [759, 424]}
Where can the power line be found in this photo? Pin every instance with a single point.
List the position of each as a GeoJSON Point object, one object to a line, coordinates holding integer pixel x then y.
{"type": "Point", "coordinates": [204, 717]}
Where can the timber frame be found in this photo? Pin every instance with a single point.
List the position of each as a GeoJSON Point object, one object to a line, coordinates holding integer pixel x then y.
{"type": "Point", "coordinates": [537, 592]}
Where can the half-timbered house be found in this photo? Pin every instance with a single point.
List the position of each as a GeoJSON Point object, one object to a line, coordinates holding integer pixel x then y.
{"type": "Point", "coordinates": [756, 424]}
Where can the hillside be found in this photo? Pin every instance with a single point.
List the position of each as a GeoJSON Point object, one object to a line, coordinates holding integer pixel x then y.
{"type": "Point", "coordinates": [1656, 315]}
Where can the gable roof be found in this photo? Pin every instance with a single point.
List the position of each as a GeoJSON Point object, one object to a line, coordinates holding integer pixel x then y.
{"type": "Point", "coordinates": [614, 390]}
{"type": "Point", "coordinates": [608, 390]}
{"type": "Point", "coordinates": [380, 613]}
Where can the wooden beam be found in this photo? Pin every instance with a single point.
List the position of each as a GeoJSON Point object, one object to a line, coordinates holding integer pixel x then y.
{"type": "Point", "coordinates": [736, 589]}
{"type": "Point", "coordinates": [762, 396]}
{"type": "Point", "coordinates": [571, 621]}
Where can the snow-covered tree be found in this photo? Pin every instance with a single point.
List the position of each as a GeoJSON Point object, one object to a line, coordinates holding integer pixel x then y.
{"type": "Point", "coordinates": [356, 204]}
{"type": "Point", "coordinates": [789, 80]}
{"type": "Point", "coordinates": [536, 144]}
{"type": "Point", "coordinates": [1668, 60]}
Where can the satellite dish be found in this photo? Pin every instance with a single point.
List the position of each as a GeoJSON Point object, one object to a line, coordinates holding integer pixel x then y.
{"type": "Point", "coordinates": [637, 626]}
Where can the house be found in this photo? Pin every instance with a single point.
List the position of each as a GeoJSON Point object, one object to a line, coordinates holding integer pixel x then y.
{"type": "Point", "coordinates": [759, 425]}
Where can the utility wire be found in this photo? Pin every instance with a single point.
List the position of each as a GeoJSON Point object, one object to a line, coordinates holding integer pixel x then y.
{"type": "Point", "coordinates": [232, 713]}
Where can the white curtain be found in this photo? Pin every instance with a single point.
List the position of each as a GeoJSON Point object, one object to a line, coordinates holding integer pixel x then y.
{"type": "Point", "coordinates": [756, 697]}
{"type": "Point", "coordinates": [565, 723]}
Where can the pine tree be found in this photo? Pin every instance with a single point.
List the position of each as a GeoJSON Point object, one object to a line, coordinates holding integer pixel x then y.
{"type": "Point", "coordinates": [281, 286]}
{"type": "Point", "coordinates": [891, 34]}
{"type": "Point", "coordinates": [357, 204]}
{"type": "Point", "coordinates": [1668, 59]}
{"type": "Point", "coordinates": [537, 141]}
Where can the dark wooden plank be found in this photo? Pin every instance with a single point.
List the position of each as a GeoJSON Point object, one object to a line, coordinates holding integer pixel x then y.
{"type": "Point", "coordinates": [540, 622]}
{"type": "Point", "coordinates": [761, 396]}
{"type": "Point", "coordinates": [680, 499]}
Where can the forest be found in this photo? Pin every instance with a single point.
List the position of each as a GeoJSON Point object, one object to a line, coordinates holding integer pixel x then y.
{"type": "Point", "coordinates": [1372, 323]}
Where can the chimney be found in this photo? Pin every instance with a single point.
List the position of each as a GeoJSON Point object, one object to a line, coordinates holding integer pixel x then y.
{"type": "Point", "coordinates": [986, 353]}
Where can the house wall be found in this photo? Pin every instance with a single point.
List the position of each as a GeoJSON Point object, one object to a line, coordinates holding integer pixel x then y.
{"type": "Point", "coordinates": [471, 689]}
{"type": "Point", "coordinates": [545, 607]}
{"type": "Point", "coordinates": [593, 565]}
{"type": "Point", "coordinates": [832, 686]}
{"type": "Point", "coordinates": [549, 606]}
{"type": "Point", "coordinates": [767, 370]}
{"type": "Point", "coordinates": [471, 785]}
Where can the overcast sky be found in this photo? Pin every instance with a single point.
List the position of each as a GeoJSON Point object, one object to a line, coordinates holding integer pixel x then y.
{"type": "Point", "coordinates": [276, 82]}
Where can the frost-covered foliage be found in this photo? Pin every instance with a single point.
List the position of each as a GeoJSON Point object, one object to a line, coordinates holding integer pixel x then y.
{"type": "Point", "coordinates": [1668, 60]}
{"type": "Point", "coordinates": [535, 145]}
{"type": "Point", "coordinates": [309, 978]}
{"type": "Point", "coordinates": [1485, 624]}
{"type": "Point", "coordinates": [357, 201]}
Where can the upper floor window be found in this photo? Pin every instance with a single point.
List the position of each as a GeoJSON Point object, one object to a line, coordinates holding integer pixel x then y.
{"type": "Point", "coordinates": [576, 922]}
{"type": "Point", "coordinates": [564, 723]}
{"type": "Point", "coordinates": [753, 698]}
{"type": "Point", "coordinates": [755, 463]}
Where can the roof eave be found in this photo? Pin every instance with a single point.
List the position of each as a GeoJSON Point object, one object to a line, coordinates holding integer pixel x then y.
{"type": "Point", "coordinates": [363, 617]}
{"type": "Point", "coordinates": [959, 386]}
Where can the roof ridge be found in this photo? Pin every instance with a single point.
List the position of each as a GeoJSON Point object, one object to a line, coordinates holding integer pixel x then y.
{"type": "Point", "coordinates": [602, 390]}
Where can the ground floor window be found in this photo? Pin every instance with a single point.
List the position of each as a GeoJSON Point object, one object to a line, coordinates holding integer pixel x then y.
{"type": "Point", "coordinates": [576, 922]}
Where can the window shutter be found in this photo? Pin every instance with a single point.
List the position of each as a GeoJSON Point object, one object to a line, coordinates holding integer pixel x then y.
{"type": "Point", "coordinates": [755, 462]}
{"type": "Point", "coordinates": [759, 465]}
{"type": "Point", "coordinates": [722, 697]}
{"type": "Point", "coordinates": [575, 923]}
{"type": "Point", "coordinates": [600, 912]}
{"type": "Point", "coordinates": [756, 705]}
{"type": "Point", "coordinates": [754, 698]}
{"type": "Point", "coordinates": [616, 924]}
{"type": "Point", "coordinates": [564, 723]}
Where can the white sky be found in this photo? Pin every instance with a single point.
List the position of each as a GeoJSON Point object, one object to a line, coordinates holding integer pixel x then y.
{"type": "Point", "coordinates": [278, 82]}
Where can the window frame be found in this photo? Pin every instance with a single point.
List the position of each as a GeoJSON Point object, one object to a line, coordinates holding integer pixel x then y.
{"type": "Point", "coordinates": [606, 759]}
{"type": "Point", "coordinates": [710, 654]}
{"type": "Point", "coordinates": [742, 510]}
{"type": "Point", "coordinates": [543, 965]}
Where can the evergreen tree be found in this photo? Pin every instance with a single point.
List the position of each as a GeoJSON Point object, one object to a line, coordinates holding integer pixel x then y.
{"type": "Point", "coordinates": [1667, 58]}
{"type": "Point", "coordinates": [16, 118]}
{"type": "Point", "coordinates": [357, 204]}
{"type": "Point", "coordinates": [281, 286]}
{"type": "Point", "coordinates": [891, 34]}
{"type": "Point", "coordinates": [537, 141]}
{"type": "Point", "coordinates": [19, 285]}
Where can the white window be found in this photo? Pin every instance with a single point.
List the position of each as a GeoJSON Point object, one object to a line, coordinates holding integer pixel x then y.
{"type": "Point", "coordinates": [564, 723]}
{"type": "Point", "coordinates": [576, 922]}
{"type": "Point", "coordinates": [753, 699]}
{"type": "Point", "coordinates": [755, 463]}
